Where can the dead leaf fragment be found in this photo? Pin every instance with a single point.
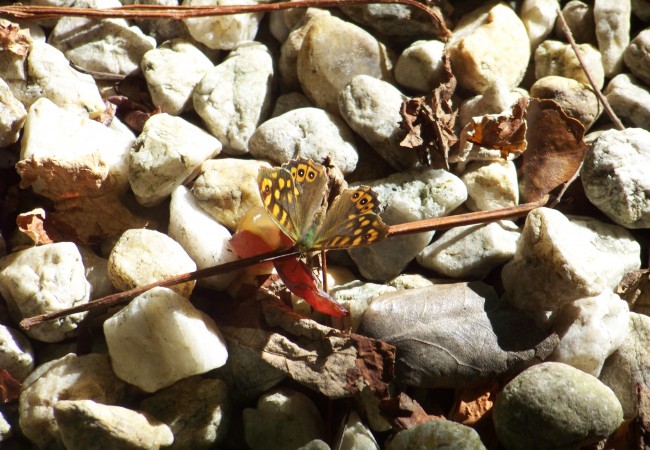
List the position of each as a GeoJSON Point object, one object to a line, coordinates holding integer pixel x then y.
{"type": "Point", "coordinates": [87, 205]}
{"type": "Point", "coordinates": [634, 288]}
{"type": "Point", "coordinates": [132, 112]}
{"type": "Point", "coordinates": [32, 224]}
{"type": "Point", "coordinates": [327, 360]}
{"type": "Point", "coordinates": [9, 387]}
{"type": "Point", "coordinates": [14, 39]}
{"type": "Point", "coordinates": [504, 132]}
{"type": "Point", "coordinates": [404, 412]}
{"type": "Point", "coordinates": [472, 404]}
{"type": "Point", "coordinates": [556, 148]}
{"type": "Point", "coordinates": [429, 122]}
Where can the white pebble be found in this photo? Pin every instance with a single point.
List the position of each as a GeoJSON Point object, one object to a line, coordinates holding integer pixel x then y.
{"type": "Point", "coordinates": [160, 338]}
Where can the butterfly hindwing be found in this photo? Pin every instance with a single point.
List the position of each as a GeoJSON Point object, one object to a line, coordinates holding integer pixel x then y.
{"type": "Point", "coordinates": [352, 221]}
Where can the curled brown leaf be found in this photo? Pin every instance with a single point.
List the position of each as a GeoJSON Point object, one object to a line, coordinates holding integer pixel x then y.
{"type": "Point", "coordinates": [13, 38]}
{"type": "Point", "coordinates": [32, 224]}
{"type": "Point", "coordinates": [429, 122]}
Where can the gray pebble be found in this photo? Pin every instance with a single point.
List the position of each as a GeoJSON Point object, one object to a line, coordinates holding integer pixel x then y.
{"type": "Point", "coordinates": [552, 405]}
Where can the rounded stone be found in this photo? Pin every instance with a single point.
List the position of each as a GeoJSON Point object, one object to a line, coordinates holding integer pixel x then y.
{"type": "Point", "coordinates": [637, 56]}
{"type": "Point", "coordinates": [437, 435]}
{"type": "Point", "coordinates": [553, 405]}
{"type": "Point", "coordinates": [558, 58]}
{"type": "Point", "coordinates": [420, 66]}
{"type": "Point", "coordinates": [332, 53]}
{"type": "Point", "coordinates": [630, 100]}
{"type": "Point", "coordinates": [575, 98]}
{"type": "Point", "coordinates": [142, 256]}
{"type": "Point", "coordinates": [308, 133]}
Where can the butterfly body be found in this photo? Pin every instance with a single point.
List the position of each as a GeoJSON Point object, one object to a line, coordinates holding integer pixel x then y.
{"type": "Point", "coordinates": [295, 196]}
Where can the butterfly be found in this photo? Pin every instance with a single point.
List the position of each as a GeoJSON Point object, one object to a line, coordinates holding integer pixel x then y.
{"type": "Point", "coordinates": [295, 197]}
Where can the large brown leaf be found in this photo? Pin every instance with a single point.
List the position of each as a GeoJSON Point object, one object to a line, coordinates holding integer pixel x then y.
{"type": "Point", "coordinates": [556, 148]}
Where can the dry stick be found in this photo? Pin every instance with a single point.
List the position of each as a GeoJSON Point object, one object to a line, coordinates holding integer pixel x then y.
{"type": "Point", "coordinates": [184, 12]}
{"type": "Point", "coordinates": [126, 296]}
{"type": "Point", "coordinates": [420, 226]}
{"type": "Point", "coordinates": [599, 95]}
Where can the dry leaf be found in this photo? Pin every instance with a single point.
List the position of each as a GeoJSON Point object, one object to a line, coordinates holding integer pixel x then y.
{"type": "Point", "coordinates": [472, 404]}
{"type": "Point", "coordinates": [132, 112]}
{"type": "Point", "coordinates": [429, 122]}
{"type": "Point", "coordinates": [106, 117]}
{"type": "Point", "coordinates": [327, 360]}
{"type": "Point", "coordinates": [504, 132]}
{"type": "Point", "coordinates": [555, 151]}
{"type": "Point", "coordinates": [32, 223]}
{"type": "Point", "coordinates": [87, 205]}
{"type": "Point", "coordinates": [9, 387]}
{"type": "Point", "coordinates": [404, 412]}
{"type": "Point", "coordinates": [634, 288]}
{"type": "Point", "coordinates": [13, 39]}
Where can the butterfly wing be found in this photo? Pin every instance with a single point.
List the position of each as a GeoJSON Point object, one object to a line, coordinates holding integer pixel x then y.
{"type": "Point", "coordinates": [292, 195]}
{"type": "Point", "coordinates": [352, 221]}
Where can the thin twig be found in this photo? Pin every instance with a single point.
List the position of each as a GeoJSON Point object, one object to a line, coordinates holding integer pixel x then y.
{"type": "Point", "coordinates": [603, 100]}
{"type": "Point", "coordinates": [442, 223]}
{"type": "Point", "coordinates": [185, 12]}
{"type": "Point", "coordinates": [439, 223]}
{"type": "Point", "coordinates": [124, 297]}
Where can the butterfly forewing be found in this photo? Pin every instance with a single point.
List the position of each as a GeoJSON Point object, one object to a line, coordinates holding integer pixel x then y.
{"type": "Point", "coordinates": [352, 221]}
{"type": "Point", "coordinates": [292, 195]}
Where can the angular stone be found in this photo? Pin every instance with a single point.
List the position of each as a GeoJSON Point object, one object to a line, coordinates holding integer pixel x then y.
{"type": "Point", "coordinates": [235, 96]}
{"type": "Point", "coordinates": [172, 71]}
{"type": "Point", "coordinates": [487, 44]}
{"type": "Point", "coordinates": [590, 330]}
{"type": "Point", "coordinates": [160, 338]}
{"type": "Point", "coordinates": [84, 423]}
{"type": "Point", "coordinates": [472, 251]}
{"type": "Point", "coordinates": [16, 353]}
{"type": "Point", "coordinates": [45, 279]}
{"type": "Point", "coordinates": [142, 256]}
{"type": "Point", "coordinates": [355, 434]}
{"type": "Point", "coordinates": [108, 45]}
{"type": "Point", "coordinates": [12, 116]}
{"type": "Point", "coordinates": [560, 260]}
{"type": "Point", "coordinates": [454, 335]}
{"type": "Point", "coordinates": [614, 176]}
{"type": "Point", "coordinates": [198, 422]}
{"type": "Point", "coordinates": [612, 19]}
{"type": "Point", "coordinates": [558, 58]}
{"type": "Point", "coordinates": [223, 32]}
{"type": "Point", "coordinates": [371, 108]}
{"type": "Point", "coordinates": [405, 197]}
{"type": "Point", "coordinates": [168, 152]}
{"type": "Point", "coordinates": [63, 139]}
{"type": "Point", "coordinates": [189, 225]}
{"type": "Point", "coordinates": [71, 377]}
{"type": "Point", "coordinates": [307, 133]}
{"type": "Point", "coordinates": [527, 413]}
{"type": "Point", "coordinates": [356, 296]}
{"type": "Point", "coordinates": [637, 56]}
{"type": "Point", "coordinates": [630, 100]}
{"type": "Point", "coordinates": [332, 53]}
{"type": "Point", "coordinates": [491, 185]}
{"type": "Point", "coordinates": [46, 72]}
